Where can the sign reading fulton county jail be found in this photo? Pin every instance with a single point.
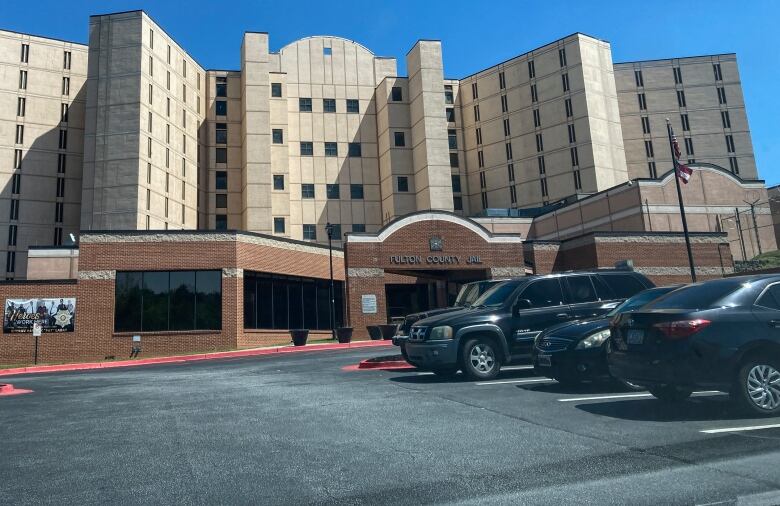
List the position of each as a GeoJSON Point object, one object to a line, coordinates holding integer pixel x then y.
{"type": "Point", "coordinates": [434, 260]}
{"type": "Point", "coordinates": [53, 315]}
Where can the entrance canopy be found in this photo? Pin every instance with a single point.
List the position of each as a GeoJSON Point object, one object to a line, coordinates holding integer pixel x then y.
{"type": "Point", "coordinates": [432, 247]}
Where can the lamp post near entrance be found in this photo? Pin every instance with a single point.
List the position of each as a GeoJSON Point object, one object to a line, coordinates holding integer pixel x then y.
{"type": "Point", "coordinates": [332, 313]}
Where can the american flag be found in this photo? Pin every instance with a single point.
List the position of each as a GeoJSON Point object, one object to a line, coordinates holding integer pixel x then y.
{"type": "Point", "coordinates": [683, 171]}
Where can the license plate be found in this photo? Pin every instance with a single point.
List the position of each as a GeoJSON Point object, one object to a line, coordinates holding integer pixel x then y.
{"type": "Point", "coordinates": [543, 360]}
{"type": "Point", "coordinates": [635, 336]}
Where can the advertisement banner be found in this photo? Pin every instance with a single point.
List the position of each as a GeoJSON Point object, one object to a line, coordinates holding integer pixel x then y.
{"type": "Point", "coordinates": [53, 315]}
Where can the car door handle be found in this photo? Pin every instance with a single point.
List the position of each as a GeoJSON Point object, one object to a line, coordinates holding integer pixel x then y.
{"type": "Point", "coordinates": [774, 323]}
{"type": "Point", "coordinates": [562, 315]}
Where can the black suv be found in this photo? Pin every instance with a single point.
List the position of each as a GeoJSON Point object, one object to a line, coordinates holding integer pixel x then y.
{"type": "Point", "coordinates": [468, 293]}
{"type": "Point", "coordinates": [501, 325]}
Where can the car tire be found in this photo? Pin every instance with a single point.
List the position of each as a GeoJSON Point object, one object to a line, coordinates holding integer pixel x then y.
{"type": "Point", "coordinates": [627, 385]}
{"type": "Point", "coordinates": [480, 359]}
{"type": "Point", "coordinates": [757, 387]}
{"type": "Point", "coordinates": [445, 372]}
{"type": "Point", "coordinates": [669, 393]}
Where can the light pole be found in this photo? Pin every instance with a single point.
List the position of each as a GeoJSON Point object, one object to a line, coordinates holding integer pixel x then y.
{"type": "Point", "coordinates": [331, 313]}
{"type": "Point", "coordinates": [752, 205]}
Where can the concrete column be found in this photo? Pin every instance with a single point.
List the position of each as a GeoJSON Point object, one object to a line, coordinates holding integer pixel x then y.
{"type": "Point", "coordinates": [256, 133]}
{"type": "Point", "coordinates": [432, 181]}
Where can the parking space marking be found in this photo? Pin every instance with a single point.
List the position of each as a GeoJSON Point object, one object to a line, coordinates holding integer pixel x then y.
{"type": "Point", "coordinates": [631, 396]}
{"type": "Point", "coordinates": [517, 368]}
{"type": "Point", "coordinates": [741, 429]}
{"type": "Point", "coordinates": [516, 382]}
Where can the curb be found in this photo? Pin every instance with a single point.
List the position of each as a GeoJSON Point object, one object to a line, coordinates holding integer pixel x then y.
{"type": "Point", "coordinates": [190, 358]}
{"type": "Point", "coordinates": [386, 364]}
{"type": "Point", "coordinates": [7, 390]}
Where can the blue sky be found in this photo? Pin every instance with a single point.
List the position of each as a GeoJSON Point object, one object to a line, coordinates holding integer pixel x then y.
{"type": "Point", "coordinates": [473, 37]}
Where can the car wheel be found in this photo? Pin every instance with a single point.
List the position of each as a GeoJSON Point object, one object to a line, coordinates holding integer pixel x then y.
{"type": "Point", "coordinates": [445, 372]}
{"type": "Point", "coordinates": [481, 360]}
{"type": "Point", "coordinates": [758, 386]}
{"type": "Point", "coordinates": [669, 393]}
{"type": "Point", "coordinates": [627, 385]}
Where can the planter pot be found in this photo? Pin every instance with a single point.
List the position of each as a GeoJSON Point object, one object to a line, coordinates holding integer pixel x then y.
{"type": "Point", "coordinates": [344, 334]}
{"type": "Point", "coordinates": [299, 336]}
{"type": "Point", "coordinates": [388, 331]}
{"type": "Point", "coordinates": [374, 333]}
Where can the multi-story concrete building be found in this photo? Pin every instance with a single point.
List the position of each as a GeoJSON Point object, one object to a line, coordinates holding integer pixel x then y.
{"type": "Point", "coordinates": [324, 131]}
{"type": "Point", "coordinates": [42, 103]}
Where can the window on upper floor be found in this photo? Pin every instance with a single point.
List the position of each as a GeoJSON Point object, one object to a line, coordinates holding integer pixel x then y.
{"type": "Point", "coordinates": [304, 104]}
{"type": "Point", "coordinates": [221, 107]}
{"type": "Point", "coordinates": [353, 105]}
{"type": "Point", "coordinates": [356, 191]}
{"type": "Point", "coordinates": [329, 105]}
{"type": "Point", "coordinates": [396, 94]}
{"type": "Point", "coordinates": [403, 184]}
{"type": "Point", "coordinates": [276, 90]}
{"type": "Point", "coordinates": [354, 150]}
{"type": "Point", "coordinates": [221, 86]}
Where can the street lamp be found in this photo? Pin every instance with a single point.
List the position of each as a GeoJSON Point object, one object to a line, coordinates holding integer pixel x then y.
{"type": "Point", "coordinates": [332, 313]}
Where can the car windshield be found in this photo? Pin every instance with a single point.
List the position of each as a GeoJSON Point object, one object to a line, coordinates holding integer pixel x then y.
{"type": "Point", "coordinates": [639, 300]}
{"type": "Point", "coordinates": [700, 295]}
{"type": "Point", "coordinates": [471, 292]}
{"type": "Point", "coordinates": [497, 295]}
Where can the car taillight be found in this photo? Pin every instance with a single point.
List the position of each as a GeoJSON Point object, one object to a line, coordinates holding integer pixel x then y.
{"type": "Point", "coordinates": [682, 328]}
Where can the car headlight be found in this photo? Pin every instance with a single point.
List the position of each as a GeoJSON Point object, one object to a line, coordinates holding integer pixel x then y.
{"type": "Point", "coordinates": [593, 340]}
{"type": "Point", "coordinates": [443, 332]}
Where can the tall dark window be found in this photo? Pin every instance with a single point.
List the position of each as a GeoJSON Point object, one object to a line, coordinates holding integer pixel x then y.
{"type": "Point", "coordinates": [277, 136]}
{"type": "Point", "coordinates": [677, 75]}
{"type": "Point", "coordinates": [221, 155]}
{"type": "Point", "coordinates": [724, 116]}
{"type": "Point", "coordinates": [399, 140]}
{"type": "Point", "coordinates": [531, 69]}
{"type": "Point", "coordinates": [638, 78]}
{"type": "Point", "coordinates": [221, 107]}
{"type": "Point", "coordinates": [278, 181]}
{"type": "Point", "coordinates": [403, 184]}
{"type": "Point", "coordinates": [162, 300]}
{"type": "Point", "coordinates": [501, 80]}
{"type": "Point", "coordinates": [397, 94]}
{"type": "Point", "coordinates": [449, 98]}
{"type": "Point", "coordinates": [456, 184]}
{"type": "Point", "coordinates": [681, 98]}
{"type": "Point", "coordinates": [454, 162]}
{"type": "Point", "coordinates": [276, 90]}
{"type": "Point", "coordinates": [278, 225]}
{"type": "Point", "coordinates": [562, 56]}
{"type": "Point", "coordinates": [450, 114]}
{"type": "Point", "coordinates": [716, 70]}
{"type": "Point", "coordinates": [221, 180]}
{"type": "Point", "coordinates": [273, 301]}
{"type": "Point", "coordinates": [686, 126]}
{"type": "Point", "coordinates": [222, 86]}
{"type": "Point", "coordinates": [452, 139]}
{"type": "Point", "coordinates": [221, 133]}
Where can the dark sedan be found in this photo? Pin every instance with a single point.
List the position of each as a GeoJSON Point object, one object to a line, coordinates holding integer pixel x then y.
{"type": "Point", "coordinates": [722, 334]}
{"type": "Point", "coordinates": [576, 351]}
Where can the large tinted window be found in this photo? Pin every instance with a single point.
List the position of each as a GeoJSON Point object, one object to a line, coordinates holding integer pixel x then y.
{"type": "Point", "coordinates": [543, 293]}
{"type": "Point", "coordinates": [623, 285]}
{"type": "Point", "coordinates": [128, 301]}
{"type": "Point", "coordinates": [497, 295]}
{"type": "Point", "coordinates": [700, 295]}
{"type": "Point", "coordinates": [162, 300]}
{"type": "Point", "coordinates": [639, 300]}
{"type": "Point", "coordinates": [580, 289]}
{"type": "Point", "coordinates": [603, 291]}
{"type": "Point", "coordinates": [286, 302]}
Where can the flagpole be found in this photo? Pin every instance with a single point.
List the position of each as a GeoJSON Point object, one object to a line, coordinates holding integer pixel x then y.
{"type": "Point", "coordinates": [680, 200]}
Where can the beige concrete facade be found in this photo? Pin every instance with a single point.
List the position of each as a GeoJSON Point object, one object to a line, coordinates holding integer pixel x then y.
{"type": "Point", "coordinates": [325, 131]}
{"type": "Point", "coordinates": [42, 100]}
{"type": "Point", "coordinates": [144, 111]}
{"type": "Point", "coordinates": [702, 98]}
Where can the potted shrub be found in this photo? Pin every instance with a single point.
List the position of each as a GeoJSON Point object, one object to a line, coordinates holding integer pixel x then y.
{"type": "Point", "coordinates": [374, 333]}
{"type": "Point", "coordinates": [387, 331]}
{"type": "Point", "coordinates": [344, 334]}
{"type": "Point", "coordinates": [299, 336]}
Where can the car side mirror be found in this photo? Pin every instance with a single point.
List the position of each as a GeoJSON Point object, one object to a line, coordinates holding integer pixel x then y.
{"type": "Point", "coordinates": [522, 304]}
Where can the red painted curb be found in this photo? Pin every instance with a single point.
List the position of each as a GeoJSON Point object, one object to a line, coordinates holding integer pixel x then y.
{"type": "Point", "coordinates": [190, 358]}
{"type": "Point", "coordinates": [7, 390]}
{"type": "Point", "coordinates": [386, 364]}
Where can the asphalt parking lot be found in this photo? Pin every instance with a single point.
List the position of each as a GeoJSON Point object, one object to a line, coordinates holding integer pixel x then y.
{"type": "Point", "coordinates": [297, 429]}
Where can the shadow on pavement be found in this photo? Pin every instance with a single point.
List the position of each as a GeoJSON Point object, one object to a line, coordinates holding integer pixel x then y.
{"type": "Point", "coordinates": [413, 376]}
{"type": "Point", "coordinates": [596, 388]}
{"type": "Point", "coordinates": [652, 410]}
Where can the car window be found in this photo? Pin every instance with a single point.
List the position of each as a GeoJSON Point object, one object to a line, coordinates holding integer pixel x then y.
{"type": "Point", "coordinates": [639, 300]}
{"type": "Point", "coordinates": [624, 285]}
{"type": "Point", "coordinates": [467, 295]}
{"type": "Point", "coordinates": [497, 295]}
{"type": "Point", "coordinates": [544, 293]}
{"type": "Point", "coordinates": [602, 289]}
{"type": "Point", "coordinates": [770, 298]}
{"type": "Point", "coordinates": [700, 295]}
{"type": "Point", "coordinates": [581, 289]}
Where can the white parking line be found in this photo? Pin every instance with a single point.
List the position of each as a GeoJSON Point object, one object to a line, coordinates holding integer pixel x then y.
{"type": "Point", "coordinates": [741, 429]}
{"type": "Point", "coordinates": [630, 396]}
{"type": "Point", "coordinates": [518, 382]}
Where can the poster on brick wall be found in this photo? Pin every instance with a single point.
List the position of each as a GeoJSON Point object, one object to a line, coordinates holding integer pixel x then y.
{"type": "Point", "coordinates": [53, 315]}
